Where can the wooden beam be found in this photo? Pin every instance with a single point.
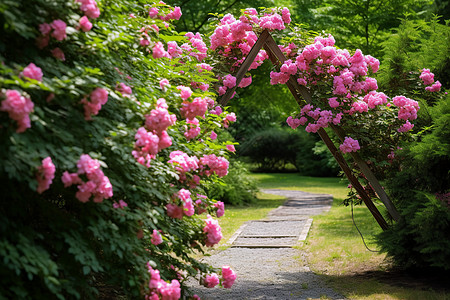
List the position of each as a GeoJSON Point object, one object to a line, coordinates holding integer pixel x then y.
{"type": "Point", "coordinates": [277, 57]}
{"type": "Point", "coordinates": [370, 177]}
{"type": "Point", "coordinates": [245, 65]}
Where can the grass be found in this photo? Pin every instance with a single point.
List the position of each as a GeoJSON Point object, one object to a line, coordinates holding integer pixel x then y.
{"type": "Point", "coordinates": [335, 249]}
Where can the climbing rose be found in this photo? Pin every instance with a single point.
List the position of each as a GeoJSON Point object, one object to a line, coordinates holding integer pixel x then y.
{"type": "Point", "coordinates": [46, 173]}
{"type": "Point", "coordinates": [33, 72]}
{"type": "Point", "coordinates": [213, 135]}
{"type": "Point", "coordinates": [406, 127]}
{"type": "Point", "coordinates": [159, 118]}
{"type": "Point", "coordinates": [349, 145]}
{"type": "Point", "coordinates": [192, 129]}
{"type": "Point", "coordinates": [174, 211]}
{"type": "Point", "coordinates": [124, 89]}
{"type": "Point", "coordinates": [211, 280]}
{"type": "Point", "coordinates": [231, 148]}
{"type": "Point", "coordinates": [156, 237]}
{"type": "Point", "coordinates": [220, 208]}
{"type": "Point", "coordinates": [120, 205]}
{"type": "Point", "coordinates": [436, 87]}
{"type": "Point", "coordinates": [218, 165]}
{"type": "Point", "coordinates": [59, 30]}
{"type": "Point", "coordinates": [163, 83]}
{"type": "Point", "coordinates": [427, 76]}
{"type": "Point", "coordinates": [197, 107]}
{"type": "Point", "coordinates": [98, 97]}
{"type": "Point", "coordinates": [58, 54]}
{"type": "Point", "coordinates": [85, 25]}
{"type": "Point", "coordinates": [229, 276]}
{"type": "Point", "coordinates": [185, 92]}
{"type": "Point", "coordinates": [98, 185]}
{"type": "Point", "coordinates": [89, 7]}
{"type": "Point", "coordinates": [213, 232]}
{"type": "Point", "coordinates": [18, 108]}
{"type": "Point", "coordinates": [229, 81]}
{"type": "Point", "coordinates": [158, 51]}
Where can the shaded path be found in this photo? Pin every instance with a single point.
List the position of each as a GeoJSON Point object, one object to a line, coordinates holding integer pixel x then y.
{"type": "Point", "coordinates": [261, 253]}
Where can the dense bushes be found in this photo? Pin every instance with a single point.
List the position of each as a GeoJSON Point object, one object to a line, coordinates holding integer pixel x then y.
{"type": "Point", "coordinates": [275, 149]}
{"type": "Point", "coordinates": [419, 181]}
{"type": "Point", "coordinates": [103, 176]}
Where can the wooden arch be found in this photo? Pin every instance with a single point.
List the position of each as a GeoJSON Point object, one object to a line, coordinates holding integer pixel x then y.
{"type": "Point", "coordinates": [277, 58]}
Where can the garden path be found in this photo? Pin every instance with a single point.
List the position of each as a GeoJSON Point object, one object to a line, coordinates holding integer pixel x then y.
{"type": "Point", "coordinates": [261, 253]}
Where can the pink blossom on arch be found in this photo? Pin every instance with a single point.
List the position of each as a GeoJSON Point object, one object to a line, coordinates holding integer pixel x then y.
{"type": "Point", "coordinates": [229, 81]}
{"type": "Point", "coordinates": [245, 82]}
{"type": "Point", "coordinates": [174, 211]}
{"type": "Point", "coordinates": [45, 175]}
{"type": "Point", "coordinates": [406, 127]}
{"type": "Point", "coordinates": [333, 102]}
{"type": "Point", "coordinates": [153, 12]}
{"type": "Point", "coordinates": [436, 87]}
{"type": "Point", "coordinates": [349, 145]}
{"type": "Point", "coordinates": [427, 76]}
{"type": "Point", "coordinates": [98, 97]}
{"type": "Point", "coordinates": [159, 118]}
{"type": "Point", "coordinates": [33, 72]}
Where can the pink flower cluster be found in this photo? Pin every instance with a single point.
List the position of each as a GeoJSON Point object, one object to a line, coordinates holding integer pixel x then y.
{"type": "Point", "coordinates": [349, 145]}
{"type": "Point", "coordinates": [220, 206]}
{"type": "Point", "coordinates": [90, 8]}
{"type": "Point", "coordinates": [407, 111]}
{"type": "Point", "coordinates": [121, 204]}
{"type": "Point", "coordinates": [173, 14]}
{"type": "Point", "coordinates": [192, 129]}
{"type": "Point", "coordinates": [153, 137]}
{"type": "Point", "coordinates": [218, 165]}
{"type": "Point", "coordinates": [198, 44]}
{"type": "Point", "coordinates": [56, 29]}
{"type": "Point", "coordinates": [197, 107]}
{"type": "Point", "coordinates": [229, 276]}
{"type": "Point", "coordinates": [98, 97]}
{"type": "Point", "coordinates": [156, 237]}
{"type": "Point", "coordinates": [33, 72]}
{"type": "Point", "coordinates": [18, 108]}
{"type": "Point", "coordinates": [213, 232]}
{"type": "Point", "coordinates": [428, 79]}
{"type": "Point", "coordinates": [45, 175]}
{"type": "Point", "coordinates": [98, 184]}
{"type": "Point", "coordinates": [124, 89]}
{"type": "Point", "coordinates": [159, 289]}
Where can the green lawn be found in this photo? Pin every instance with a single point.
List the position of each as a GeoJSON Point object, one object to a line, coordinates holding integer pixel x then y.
{"type": "Point", "coordinates": [335, 249]}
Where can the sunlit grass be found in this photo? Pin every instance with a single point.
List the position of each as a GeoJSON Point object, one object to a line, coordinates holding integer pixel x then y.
{"type": "Point", "coordinates": [335, 249]}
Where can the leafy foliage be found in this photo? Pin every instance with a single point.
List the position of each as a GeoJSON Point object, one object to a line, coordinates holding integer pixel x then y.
{"type": "Point", "coordinates": [52, 245]}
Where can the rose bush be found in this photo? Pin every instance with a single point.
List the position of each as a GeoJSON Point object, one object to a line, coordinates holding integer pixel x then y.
{"type": "Point", "coordinates": [101, 186]}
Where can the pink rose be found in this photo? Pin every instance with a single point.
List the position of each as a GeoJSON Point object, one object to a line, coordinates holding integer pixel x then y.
{"type": "Point", "coordinates": [59, 30]}
{"type": "Point", "coordinates": [33, 72]}
{"type": "Point", "coordinates": [85, 25]}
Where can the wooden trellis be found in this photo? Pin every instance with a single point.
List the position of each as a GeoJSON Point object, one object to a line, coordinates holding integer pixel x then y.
{"type": "Point", "coordinates": [277, 58]}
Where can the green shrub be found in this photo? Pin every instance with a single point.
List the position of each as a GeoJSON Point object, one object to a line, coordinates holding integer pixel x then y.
{"type": "Point", "coordinates": [52, 245]}
{"type": "Point", "coordinates": [274, 149]}
{"type": "Point", "coordinates": [236, 188]}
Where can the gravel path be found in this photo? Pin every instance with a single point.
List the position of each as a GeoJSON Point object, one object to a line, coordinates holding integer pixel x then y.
{"type": "Point", "coordinates": [261, 254]}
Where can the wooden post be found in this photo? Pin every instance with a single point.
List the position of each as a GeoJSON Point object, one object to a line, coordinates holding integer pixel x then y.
{"type": "Point", "coordinates": [276, 56]}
